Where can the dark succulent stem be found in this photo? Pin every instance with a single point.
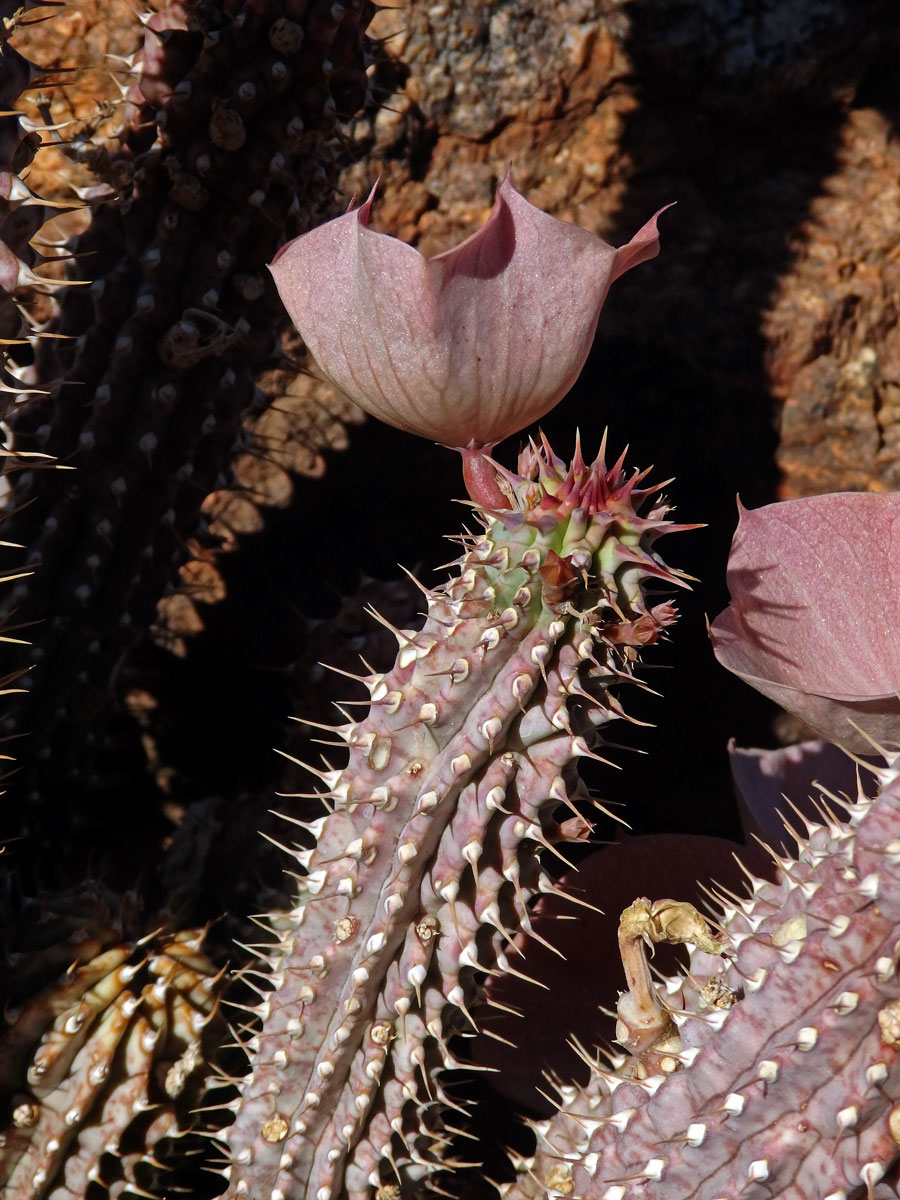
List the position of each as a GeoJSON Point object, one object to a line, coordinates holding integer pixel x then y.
{"type": "Point", "coordinates": [225, 154]}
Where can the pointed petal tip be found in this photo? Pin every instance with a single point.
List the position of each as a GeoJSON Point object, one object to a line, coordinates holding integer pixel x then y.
{"type": "Point", "coordinates": [362, 213]}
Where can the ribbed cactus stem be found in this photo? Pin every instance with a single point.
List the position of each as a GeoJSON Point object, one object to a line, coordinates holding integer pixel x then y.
{"type": "Point", "coordinates": [146, 375]}
{"type": "Point", "coordinates": [784, 1078]}
{"type": "Point", "coordinates": [424, 864]}
{"type": "Point", "coordinates": [100, 1068]}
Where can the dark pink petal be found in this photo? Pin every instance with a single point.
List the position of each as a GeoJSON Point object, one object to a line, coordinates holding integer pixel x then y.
{"type": "Point", "coordinates": [465, 348]}
{"type": "Point", "coordinates": [763, 778]}
{"type": "Point", "coordinates": [815, 610]}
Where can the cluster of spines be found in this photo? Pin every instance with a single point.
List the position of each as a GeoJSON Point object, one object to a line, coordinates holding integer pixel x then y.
{"type": "Point", "coordinates": [787, 1080]}
{"type": "Point", "coordinates": [229, 152]}
{"type": "Point", "coordinates": [22, 213]}
{"type": "Point", "coordinates": [422, 869]}
{"type": "Point", "coordinates": [102, 1064]}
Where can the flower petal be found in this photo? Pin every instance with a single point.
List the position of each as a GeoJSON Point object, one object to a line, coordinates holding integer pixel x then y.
{"type": "Point", "coordinates": [774, 785]}
{"type": "Point", "coordinates": [519, 302]}
{"type": "Point", "coordinates": [815, 609]}
{"type": "Point", "coordinates": [362, 303]}
{"type": "Point", "coordinates": [465, 348]}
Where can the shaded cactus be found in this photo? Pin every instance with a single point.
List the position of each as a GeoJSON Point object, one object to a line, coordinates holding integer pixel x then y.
{"type": "Point", "coordinates": [102, 1052]}
{"type": "Point", "coordinates": [22, 213]}
{"type": "Point", "coordinates": [228, 149]}
{"type": "Point", "coordinates": [425, 861]}
{"type": "Point", "coordinates": [776, 1072]}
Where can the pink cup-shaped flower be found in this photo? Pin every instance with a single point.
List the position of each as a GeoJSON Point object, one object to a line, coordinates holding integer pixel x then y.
{"type": "Point", "coordinates": [465, 348]}
{"type": "Point", "coordinates": [814, 620]}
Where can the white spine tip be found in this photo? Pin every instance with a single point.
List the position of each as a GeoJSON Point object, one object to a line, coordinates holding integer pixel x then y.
{"type": "Point", "coordinates": [846, 1003]}
{"type": "Point", "coordinates": [695, 1134]}
{"type": "Point", "coordinates": [734, 1104]}
{"type": "Point", "coordinates": [848, 1117]}
{"type": "Point", "coordinates": [654, 1169]}
{"type": "Point", "coordinates": [839, 926]}
{"type": "Point", "coordinates": [885, 969]}
{"type": "Point", "coordinates": [871, 1173]}
{"type": "Point", "coordinates": [870, 886]}
{"type": "Point", "coordinates": [807, 1037]}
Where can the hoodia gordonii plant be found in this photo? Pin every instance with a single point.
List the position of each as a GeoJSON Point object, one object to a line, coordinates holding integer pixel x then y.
{"type": "Point", "coordinates": [102, 1050]}
{"type": "Point", "coordinates": [228, 144]}
{"type": "Point", "coordinates": [422, 872]}
{"type": "Point", "coordinates": [771, 1068]}
{"type": "Point", "coordinates": [425, 857]}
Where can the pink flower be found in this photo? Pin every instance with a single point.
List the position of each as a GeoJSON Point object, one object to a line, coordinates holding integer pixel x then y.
{"type": "Point", "coordinates": [465, 348]}
{"type": "Point", "coordinates": [815, 613]}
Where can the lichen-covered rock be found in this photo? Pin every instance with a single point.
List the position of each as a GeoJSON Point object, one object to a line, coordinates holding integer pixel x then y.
{"type": "Point", "coordinates": [833, 326]}
{"type": "Point", "coordinates": [779, 1075]}
{"type": "Point", "coordinates": [539, 85]}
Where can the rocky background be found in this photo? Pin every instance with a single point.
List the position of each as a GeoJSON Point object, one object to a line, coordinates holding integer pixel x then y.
{"type": "Point", "coordinates": [757, 355]}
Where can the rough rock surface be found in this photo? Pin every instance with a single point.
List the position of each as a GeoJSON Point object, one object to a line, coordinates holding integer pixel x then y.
{"type": "Point", "coordinates": [833, 325]}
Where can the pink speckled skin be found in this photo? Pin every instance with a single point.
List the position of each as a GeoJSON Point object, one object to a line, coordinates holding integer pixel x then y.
{"type": "Point", "coordinates": [792, 1091]}
{"type": "Point", "coordinates": [420, 877]}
